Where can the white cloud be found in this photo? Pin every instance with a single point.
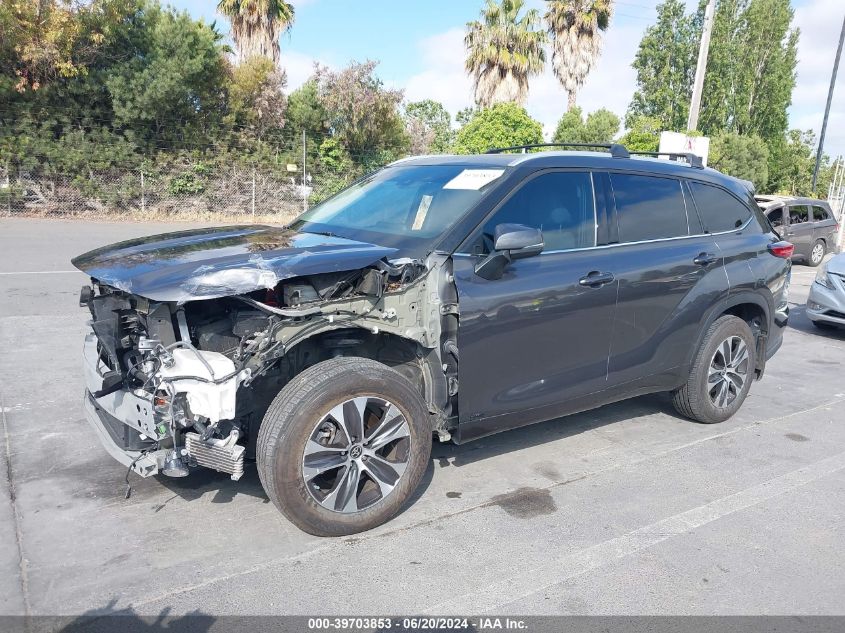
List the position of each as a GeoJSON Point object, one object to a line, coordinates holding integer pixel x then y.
{"type": "Point", "coordinates": [612, 82]}
{"type": "Point", "coordinates": [610, 85]}
{"type": "Point", "coordinates": [819, 21]}
{"type": "Point", "coordinates": [298, 67]}
{"type": "Point", "coordinates": [443, 79]}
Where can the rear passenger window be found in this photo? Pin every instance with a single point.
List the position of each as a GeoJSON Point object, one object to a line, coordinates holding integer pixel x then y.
{"type": "Point", "coordinates": [819, 214]}
{"type": "Point", "coordinates": [649, 208]}
{"type": "Point", "coordinates": [718, 209]}
{"type": "Point", "coordinates": [799, 213]}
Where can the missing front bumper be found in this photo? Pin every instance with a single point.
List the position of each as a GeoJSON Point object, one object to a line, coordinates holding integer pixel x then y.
{"type": "Point", "coordinates": [143, 462]}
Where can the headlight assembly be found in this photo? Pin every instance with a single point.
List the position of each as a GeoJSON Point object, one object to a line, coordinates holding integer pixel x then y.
{"type": "Point", "coordinates": [823, 278]}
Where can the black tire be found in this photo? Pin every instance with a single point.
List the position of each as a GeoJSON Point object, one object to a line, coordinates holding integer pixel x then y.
{"type": "Point", "coordinates": [693, 399]}
{"type": "Point", "coordinates": [292, 419]}
{"type": "Point", "coordinates": [814, 261]}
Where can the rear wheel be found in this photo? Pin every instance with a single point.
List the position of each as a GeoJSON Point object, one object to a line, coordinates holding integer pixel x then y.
{"type": "Point", "coordinates": [721, 373]}
{"type": "Point", "coordinates": [343, 446]}
{"type": "Point", "coordinates": [817, 253]}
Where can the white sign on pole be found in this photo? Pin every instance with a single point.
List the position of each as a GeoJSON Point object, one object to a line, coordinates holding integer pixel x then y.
{"type": "Point", "coordinates": [678, 143]}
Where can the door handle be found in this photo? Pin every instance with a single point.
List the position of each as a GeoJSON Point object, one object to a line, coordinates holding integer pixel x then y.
{"type": "Point", "coordinates": [705, 259]}
{"type": "Point", "coordinates": [596, 279]}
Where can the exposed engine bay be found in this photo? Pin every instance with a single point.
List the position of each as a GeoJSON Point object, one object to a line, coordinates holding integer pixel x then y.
{"type": "Point", "coordinates": [182, 384]}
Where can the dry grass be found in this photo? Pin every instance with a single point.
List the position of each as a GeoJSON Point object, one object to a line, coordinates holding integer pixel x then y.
{"type": "Point", "coordinates": [135, 215]}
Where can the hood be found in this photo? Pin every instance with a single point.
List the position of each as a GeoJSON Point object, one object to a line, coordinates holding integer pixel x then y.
{"type": "Point", "coordinates": [221, 261]}
{"type": "Point", "coordinates": [836, 264]}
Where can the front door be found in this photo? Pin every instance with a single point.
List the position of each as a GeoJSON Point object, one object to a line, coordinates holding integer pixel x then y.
{"type": "Point", "coordinates": [540, 334]}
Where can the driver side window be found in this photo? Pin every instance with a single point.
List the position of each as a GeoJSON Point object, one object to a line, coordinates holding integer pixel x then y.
{"type": "Point", "coordinates": [560, 204]}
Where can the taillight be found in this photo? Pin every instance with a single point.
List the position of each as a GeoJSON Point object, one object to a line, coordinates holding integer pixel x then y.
{"type": "Point", "coordinates": [782, 249]}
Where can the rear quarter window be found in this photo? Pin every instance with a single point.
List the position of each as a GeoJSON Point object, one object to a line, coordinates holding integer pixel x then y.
{"type": "Point", "coordinates": [649, 208]}
{"type": "Point", "coordinates": [820, 214]}
{"type": "Point", "coordinates": [719, 210]}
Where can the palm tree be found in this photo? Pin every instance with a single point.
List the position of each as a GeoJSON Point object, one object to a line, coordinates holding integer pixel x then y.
{"type": "Point", "coordinates": [503, 51]}
{"type": "Point", "coordinates": [576, 27]}
{"type": "Point", "coordinates": [257, 25]}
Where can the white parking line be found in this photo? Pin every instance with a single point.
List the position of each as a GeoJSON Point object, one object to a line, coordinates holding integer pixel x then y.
{"type": "Point", "coordinates": [562, 568]}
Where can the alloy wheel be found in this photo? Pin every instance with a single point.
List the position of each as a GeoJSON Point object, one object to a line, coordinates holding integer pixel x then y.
{"type": "Point", "coordinates": [817, 253]}
{"type": "Point", "coordinates": [356, 454]}
{"type": "Point", "coordinates": [728, 372]}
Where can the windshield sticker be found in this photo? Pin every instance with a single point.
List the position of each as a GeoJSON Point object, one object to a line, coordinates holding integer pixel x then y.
{"type": "Point", "coordinates": [422, 211]}
{"type": "Point", "coordinates": [473, 178]}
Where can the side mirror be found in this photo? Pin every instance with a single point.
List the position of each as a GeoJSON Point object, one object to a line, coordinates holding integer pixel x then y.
{"type": "Point", "coordinates": [511, 241]}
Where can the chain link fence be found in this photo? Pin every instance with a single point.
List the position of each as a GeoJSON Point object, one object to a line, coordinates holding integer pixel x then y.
{"type": "Point", "coordinates": [228, 192]}
{"type": "Point", "coordinates": [207, 187]}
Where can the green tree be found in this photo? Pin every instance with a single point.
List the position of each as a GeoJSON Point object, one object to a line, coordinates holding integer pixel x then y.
{"type": "Point", "coordinates": [792, 163]}
{"type": "Point", "coordinates": [643, 134]}
{"type": "Point", "coordinates": [363, 115]}
{"type": "Point", "coordinates": [665, 65]}
{"type": "Point", "coordinates": [576, 27]}
{"type": "Point", "coordinates": [504, 49]}
{"type": "Point", "coordinates": [750, 69]}
{"type": "Point", "coordinates": [257, 25]}
{"type": "Point", "coordinates": [256, 101]}
{"type": "Point", "coordinates": [745, 157]}
{"type": "Point", "coordinates": [601, 126]}
{"type": "Point", "coordinates": [465, 116]}
{"type": "Point", "coordinates": [306, 114]}
{"type": "Point", "coordinates": [502, 125]}
{"type": "Point", "coordinates": [174, 92]}
{"type": "Point", "coordinates": [433, 124]}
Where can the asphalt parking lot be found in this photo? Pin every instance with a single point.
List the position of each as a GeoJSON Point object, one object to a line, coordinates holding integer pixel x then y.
{"type": "Point", "coordinates": [628, 509]}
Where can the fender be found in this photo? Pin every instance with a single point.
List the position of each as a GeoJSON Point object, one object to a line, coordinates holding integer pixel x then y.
{"type": "Point", "coordinates": [763, 300]}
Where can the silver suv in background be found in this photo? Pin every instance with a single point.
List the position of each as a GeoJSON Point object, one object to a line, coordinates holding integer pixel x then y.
{"type": "Point", "coordinates": [807, 223]}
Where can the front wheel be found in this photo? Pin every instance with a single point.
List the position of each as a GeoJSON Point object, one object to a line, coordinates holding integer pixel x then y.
{"type": "Point", "coordinates": [343, 446]}
{"type": "Point", "coordinates": [721, 373]}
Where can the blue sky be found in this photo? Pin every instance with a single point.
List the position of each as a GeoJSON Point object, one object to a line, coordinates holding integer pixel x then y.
{"type": "Point", "coordinates": [419, 47]}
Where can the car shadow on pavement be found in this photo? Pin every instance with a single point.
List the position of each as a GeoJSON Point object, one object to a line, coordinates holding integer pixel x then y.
{"type": "Point", "coordinates": [798, 320]}
{"type": "Point", "coordinates": [203, 480]}
{"type": "Point", "coordinates": [109, 618]}
{"type": "Point", "coordinates": [544, 432]}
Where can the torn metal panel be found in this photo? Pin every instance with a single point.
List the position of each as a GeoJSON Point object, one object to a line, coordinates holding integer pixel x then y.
{"type": "Point", "coordinates": [222, 261]}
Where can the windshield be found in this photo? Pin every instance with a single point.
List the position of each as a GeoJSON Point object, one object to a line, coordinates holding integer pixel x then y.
{"type": "Point", "coordinates": [405, 207]}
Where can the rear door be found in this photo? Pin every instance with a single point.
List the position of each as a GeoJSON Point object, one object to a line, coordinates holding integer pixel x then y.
{"type": "Point", "coordinates": [824, 226]}
{"type": "Point", "coordinates": [668, 273]}
{"type": "Point", "coordinates": [539, 335]}
{"type": "Point", "coordinates": [800, 230]}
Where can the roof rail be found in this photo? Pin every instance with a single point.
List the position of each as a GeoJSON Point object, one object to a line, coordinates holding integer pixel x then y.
{"type": "Point", "coordinates": [694, 160]}
{"type": "Point", "coordinates": [616, 150]}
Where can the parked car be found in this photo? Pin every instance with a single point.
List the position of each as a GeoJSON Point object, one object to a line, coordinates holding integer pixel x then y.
{"type": "Point", "coordinates": [807, 223]}
{"type": "Point", "coordinates": [826, 303]}
{"type": "Point", "coordinates": [441, 296]}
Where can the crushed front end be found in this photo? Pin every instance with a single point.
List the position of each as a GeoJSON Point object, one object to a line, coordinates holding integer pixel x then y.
{"type": "Point", "coordinates": [171, 385]}
{"type": "Point", "coordinates": [156, 401]}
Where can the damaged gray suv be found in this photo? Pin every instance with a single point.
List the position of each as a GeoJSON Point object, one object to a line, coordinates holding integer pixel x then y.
{"type": "Point", "coordinates": [449, 297]}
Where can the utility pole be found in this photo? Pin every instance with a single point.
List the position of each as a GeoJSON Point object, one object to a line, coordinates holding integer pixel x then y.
{"type": "Point", "coordinates": [304, 176]}
{"type": "Point", "coordinates": [701, 67]}
{"type": "Point", "coordinates": [827, 107]}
